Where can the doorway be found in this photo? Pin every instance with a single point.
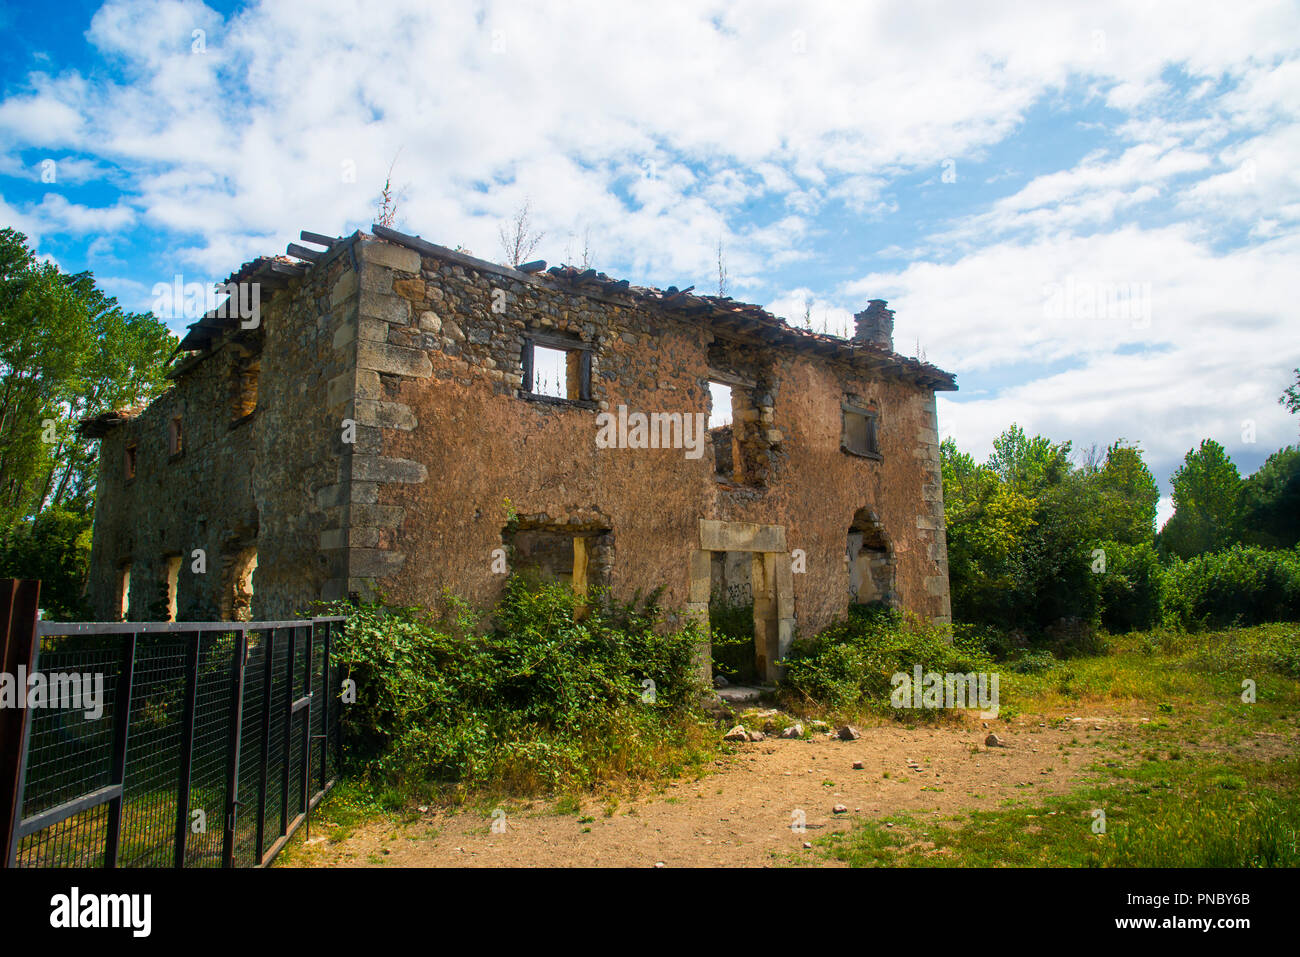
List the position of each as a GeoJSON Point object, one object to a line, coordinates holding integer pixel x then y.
{"type": "Point", "coordinates": [741, 584]}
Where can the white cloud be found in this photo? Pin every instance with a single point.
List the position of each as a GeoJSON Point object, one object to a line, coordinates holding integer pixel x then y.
{"type": "Point", "coordinates": [658, 133]}
{"type": "Point", "coordinates": [249, 136]}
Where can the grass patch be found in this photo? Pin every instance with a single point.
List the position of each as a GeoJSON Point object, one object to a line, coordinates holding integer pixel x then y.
{"type": "Point", "coordinates": [1212, 812]}
{"type": "Point", "coordinates": [1191, 790]}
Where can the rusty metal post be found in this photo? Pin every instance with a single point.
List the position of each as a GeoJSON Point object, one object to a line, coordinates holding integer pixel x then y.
{"type": "Point", "coordinates": [19, 604]}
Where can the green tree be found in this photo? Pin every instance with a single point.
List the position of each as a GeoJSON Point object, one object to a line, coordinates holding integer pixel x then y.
{"type": "Point", "coordinates": [1291, 395]}
{"type": "Point", "coordinates": [1269, 508]}
{"type": "Point", "coordinates": [1127, 496]}
{"type": "Point", "coordinates": [987, 521]}
{"type": "Point", "coordinates": [1206, 490]}
{"type": "Point", "coordinates": [1028, 462]}
{"type": "Point", "coordinates": [66, 351]}
{"type": "Point", "coordinates": [42, 337]}
{"type": "Point", "coordinates": [54, 547]}
{"type": "Point", "coordinates": [1023, 528]}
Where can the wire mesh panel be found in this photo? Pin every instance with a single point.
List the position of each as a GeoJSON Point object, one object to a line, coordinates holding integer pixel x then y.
{"type": "Point", "coordinates": [69, 750]}
{"type": "Point", "coordinates": [250, 751]}
{"type": "Point", "coordinates": [153, 752]}
{"type": "Point", "coordinates": [319, 708]}
{"type": "Point", "coordinates": [276, 817]}
{"type": "Point", "coordinates": [190, 742]}
{"type": "Point", "coordinates": [298, 720]}
{"type": "Point", "coordinates": [77, 842]}
{"type": "Point", "coordinates": [212, 717]}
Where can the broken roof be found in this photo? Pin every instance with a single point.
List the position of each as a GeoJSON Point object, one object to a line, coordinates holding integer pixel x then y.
{"type": "Point", "coordinates": [745, 320]}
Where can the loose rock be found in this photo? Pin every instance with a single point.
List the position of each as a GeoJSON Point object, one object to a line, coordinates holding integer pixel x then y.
{"type": "Point", "coordinates": [993, 741]}
{"type": "Point", "coordinates": [848, 733]}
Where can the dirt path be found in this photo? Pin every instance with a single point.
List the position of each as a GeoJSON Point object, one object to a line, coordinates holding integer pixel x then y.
{"type": "Point", "coordinates": [742, 814]}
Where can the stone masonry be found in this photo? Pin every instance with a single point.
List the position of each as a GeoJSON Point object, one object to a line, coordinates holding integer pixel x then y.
{"type": "Point", "coordinates": [379, 430]}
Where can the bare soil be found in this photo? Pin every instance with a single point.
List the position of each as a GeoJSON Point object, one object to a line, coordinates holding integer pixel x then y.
{"type": "Point", "coordinates": [741, 814]}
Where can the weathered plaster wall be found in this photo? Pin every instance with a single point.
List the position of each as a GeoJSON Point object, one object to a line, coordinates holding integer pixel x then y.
{"type": "Point", "coordinates": [456, 442]}
{"type": "Point", "coordinates": [409, 354]}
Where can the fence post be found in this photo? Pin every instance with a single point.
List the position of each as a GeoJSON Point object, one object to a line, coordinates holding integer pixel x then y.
{"type": "Point", "coordinates": [288, 731]}
{"type": "Point", "coordinates": [121, 732]}
{"type": "Point", "coordinates": [268, 683]}
{"type": "Point", "coordinates": [19, 601]}
{"type": "Point", "coordinates": [306, 720]}
{"type": "Point", "coordinates": [236, 729]}
{"type": "Point", "coordinates": [325, 707]}
{"type": "Point", "coordinates": [187, 749]}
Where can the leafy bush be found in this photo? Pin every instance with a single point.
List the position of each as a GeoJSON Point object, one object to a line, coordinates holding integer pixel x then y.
{"type": "Point", "coordinates": [731, 628]}
{"type": "Point", "coordinates": [1130, 587]}
{"type": "Point", "coordinates": [54, 547]}
{"type": "Point", "coordinates": [551, 694]}
{"type": "Point", "coordinates": [1243, 585]}
{"type": "Point", "coordinates": [848, 665]}
{"type": "Point", "coordinates": [1034, 662]}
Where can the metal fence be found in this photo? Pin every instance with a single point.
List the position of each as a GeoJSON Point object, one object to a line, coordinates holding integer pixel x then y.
{"type": "Point", "coordinates": [212, 743]}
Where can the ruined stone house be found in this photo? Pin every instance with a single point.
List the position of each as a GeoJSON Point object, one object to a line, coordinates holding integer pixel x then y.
{"type": "Point", "coordinates": [399, 417]}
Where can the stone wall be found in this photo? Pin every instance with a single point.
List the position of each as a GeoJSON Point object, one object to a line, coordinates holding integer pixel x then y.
{"type": "Point", "coordinates": [201, 499]}
{"type": "Point", "coordinates": [263, 484]}
{"type": "Point", "coordinates": [302, 482]}
{"type": "Point", "coordinates": [459, 451]}
{"type": "Point", "coordinates": [391, 451]}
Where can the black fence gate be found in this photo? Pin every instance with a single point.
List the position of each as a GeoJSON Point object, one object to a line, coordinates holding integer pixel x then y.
{"type": "Point", "coordinates": [170, 744]}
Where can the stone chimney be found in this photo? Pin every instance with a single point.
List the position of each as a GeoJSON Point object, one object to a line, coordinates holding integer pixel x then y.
{"type": "Point", "coordinates": [875, 325]}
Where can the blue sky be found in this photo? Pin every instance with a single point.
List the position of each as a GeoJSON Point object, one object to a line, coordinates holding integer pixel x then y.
{"type": "Point", "coordinates": [1087, 212]}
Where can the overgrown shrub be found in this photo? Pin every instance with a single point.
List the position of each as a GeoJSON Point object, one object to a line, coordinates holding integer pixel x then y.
{"type": "Point", "coordinates": [550, 693]}
{"type": "Point", "coordinates": [1243, 585]}
{"type": "Point", "coordinates": [1130, 587]}
{"type": "Point", "coordinates": [848, 665]}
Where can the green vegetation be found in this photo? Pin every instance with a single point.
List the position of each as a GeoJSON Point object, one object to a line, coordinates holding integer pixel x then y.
{"type": "Point", "coordinates": [1023, 527]}
{"type": "Point", "coordinates": [1196, 791]}
{"type": "Point", "coordinates": [1239, 586]}
{"type": "Point", "coordinates": [1206, 490]}
{"type": "Point", "coordinates": [66, 351]}
{"type": "Point", "coordinates": [731, 629]}
{"type": "Point", "coordinates": [845, 670]}
{"type": "Point", "coordinates": [54, 547]}
{"type": "Point", "coordinates": [1037, 541]}
{"type": "Point", "coordinates": [547, 695]}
